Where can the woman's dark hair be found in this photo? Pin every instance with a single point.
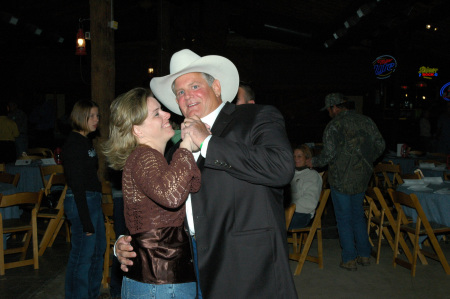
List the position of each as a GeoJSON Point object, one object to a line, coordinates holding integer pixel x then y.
{"type": "Point", "coordinates": [80, 115]}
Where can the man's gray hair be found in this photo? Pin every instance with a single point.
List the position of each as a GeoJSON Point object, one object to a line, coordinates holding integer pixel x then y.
{"type": "Point", "coordinates": [209, 79]}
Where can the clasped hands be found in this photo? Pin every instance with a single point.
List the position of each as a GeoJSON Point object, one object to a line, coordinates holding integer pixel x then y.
{"type": "Point", "coordinates": [194, 132]}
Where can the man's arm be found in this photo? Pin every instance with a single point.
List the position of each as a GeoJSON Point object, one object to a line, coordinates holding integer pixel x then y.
{"type": "Point", "coordinates": [124, 252]}
{"type": "Point", "coordinates": [328, 152]}
{"type": "Point", "coordinates": [261, 152]}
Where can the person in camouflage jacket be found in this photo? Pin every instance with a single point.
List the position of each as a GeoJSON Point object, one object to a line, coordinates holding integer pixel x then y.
{"type": "Point", "coordinates": [351, 143]}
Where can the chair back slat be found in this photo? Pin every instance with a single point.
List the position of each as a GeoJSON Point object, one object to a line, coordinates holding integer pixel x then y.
{"type": "Point", "coordinates": [20, 199]}
{"type": "Point", "coordinates": [47, 170]}
{"type": "Point", "coordinates": [289, 213]}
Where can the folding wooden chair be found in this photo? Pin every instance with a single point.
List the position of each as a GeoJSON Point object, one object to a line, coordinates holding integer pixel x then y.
{"type": "Point", "coordinates": [19, 225]}
{"type": "Point", "coordinates": [8, 178]}
{"type": "Point", "coordinates": [107, 196]}
{"type": "Point", "coordinates": [301, 254]}
{"type": "Point", "coordinates": [421, 227]}
{"type": "Point", "coordinates": [48, 170]}
{"type": "Point", "coordinates": [289, 213]}
{"type": "Point", "coordinates": [110, 240]}
{"type": "Point", "coordinates": [108, 210]}
{"type": "Point", "coordinates": [324, 175]}
{"type": "Point", "coordinates": [382, 171]}
{"type": "Point", "coordinates": [55, 216]}
{"type": "Point", "coordinates": [380, 216]}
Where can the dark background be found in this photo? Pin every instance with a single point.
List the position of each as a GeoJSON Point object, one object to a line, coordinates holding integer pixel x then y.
{"type": "Point", "coordinates": [278, 47]}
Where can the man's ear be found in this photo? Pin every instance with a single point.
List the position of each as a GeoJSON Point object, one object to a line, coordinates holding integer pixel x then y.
{"type": "Point", "coordinates": [216, 88]}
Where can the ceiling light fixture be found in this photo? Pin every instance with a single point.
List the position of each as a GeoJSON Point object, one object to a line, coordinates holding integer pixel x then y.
{"type": "Point", "coordinates": [81, 43]}
{"type": "Point", "coordinates": [81, 39]}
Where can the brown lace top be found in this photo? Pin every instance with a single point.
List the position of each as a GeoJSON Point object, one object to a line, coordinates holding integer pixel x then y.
{"type": "Point", "coordinates": [154, 192]}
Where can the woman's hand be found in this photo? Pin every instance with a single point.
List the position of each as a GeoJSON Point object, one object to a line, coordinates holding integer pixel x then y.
{"type": "Point", "coordinates": [188, 144]}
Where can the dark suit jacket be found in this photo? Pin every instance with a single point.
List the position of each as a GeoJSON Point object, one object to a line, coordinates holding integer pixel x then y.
{"type": "Point", "coordinates": [238, 212]}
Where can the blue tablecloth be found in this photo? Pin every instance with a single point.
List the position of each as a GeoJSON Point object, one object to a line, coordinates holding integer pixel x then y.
{"type": "Point", "coordinates": [434, 173]}
{"type": "Point", "coordinates": [407, 165]}
{"type": "Point", "coordinates": [9, 212]}
{"type": "Point", "coordinates": [30, 176]}
{"type": "Point", "coordinates": [436, 206]}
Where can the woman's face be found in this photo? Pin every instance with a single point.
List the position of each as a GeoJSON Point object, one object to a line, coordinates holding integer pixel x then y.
{"type": "Point", "coordinates": [156, 129]}
{"type": "Point", "coordinates": [299, 158]}
{"type": "Point", "coordinates": [93, 120]}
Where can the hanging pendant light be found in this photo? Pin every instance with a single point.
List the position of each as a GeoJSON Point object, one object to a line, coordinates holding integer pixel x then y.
{"type": "Point", "coordinates": [81, 43]}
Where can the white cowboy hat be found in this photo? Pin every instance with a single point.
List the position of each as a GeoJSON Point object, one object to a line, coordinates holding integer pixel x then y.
{"type": "Point", "coordinates": [186, 61]}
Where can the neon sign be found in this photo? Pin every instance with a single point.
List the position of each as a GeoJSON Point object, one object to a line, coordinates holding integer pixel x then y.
{"type": "Point", "coordinates": [445, 92]}
{"type": "Point", "coordinates": [384, 66]}
{"type": "Point", "coordinates": [427, 72]}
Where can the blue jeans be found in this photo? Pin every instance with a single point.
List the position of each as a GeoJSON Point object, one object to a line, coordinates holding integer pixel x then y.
{"type": "Point", "coordinates": [85, 266]}
{"type": "Point", "coordinates": [135, 289]}
{"type": "Point", "coordinates": [300, 220]}
{"type": "Point", "coordinates": [351, 224]}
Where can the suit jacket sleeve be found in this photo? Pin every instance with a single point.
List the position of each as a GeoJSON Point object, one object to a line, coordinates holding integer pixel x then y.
{"type": "Point", "coordinates": [255, 149]}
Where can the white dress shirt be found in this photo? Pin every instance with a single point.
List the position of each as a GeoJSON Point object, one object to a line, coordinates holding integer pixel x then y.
{"type": "Point", "coordinates": [209, 119]}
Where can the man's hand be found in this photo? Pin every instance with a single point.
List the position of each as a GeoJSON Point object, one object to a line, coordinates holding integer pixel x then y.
{"type": "Point", "coordinates": [197, 130]}
{"type": "Point", "coordinates": [124, 252]}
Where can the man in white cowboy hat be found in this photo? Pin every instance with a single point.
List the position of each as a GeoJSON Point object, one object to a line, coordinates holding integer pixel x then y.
{"type": "Point", "coordinates": [236, 220]}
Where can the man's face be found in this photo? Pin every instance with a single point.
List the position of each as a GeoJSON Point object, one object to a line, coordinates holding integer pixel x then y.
{"type": "Point", "coordinates": [195, 97]}
{"type": "Point", "coordinates": [242, 97]}
{"type": "Point", "coordinates": [332, 111]}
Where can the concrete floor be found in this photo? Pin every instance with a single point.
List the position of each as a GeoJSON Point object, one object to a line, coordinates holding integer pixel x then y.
{"type": "Point", "coordinates": [375, 281]}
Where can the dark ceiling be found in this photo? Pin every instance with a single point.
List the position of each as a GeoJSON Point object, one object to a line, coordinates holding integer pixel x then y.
{"type": "Point", "coordinates": [307, 23]}
{"type": "Point", "coordinates": [315, 26]}
{"type": "Point", "coordinates": [293, 51]}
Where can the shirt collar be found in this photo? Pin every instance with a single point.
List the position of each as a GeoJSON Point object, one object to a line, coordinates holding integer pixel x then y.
{"type": "Point", "coordinates": [211, 118]}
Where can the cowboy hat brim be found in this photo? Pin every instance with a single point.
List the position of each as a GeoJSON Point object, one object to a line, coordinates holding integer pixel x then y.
{"type": "Point", "coordinates": [219, 67]}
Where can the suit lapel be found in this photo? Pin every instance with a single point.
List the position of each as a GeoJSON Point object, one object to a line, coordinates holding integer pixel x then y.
{"type": "Point", "coordinates": [222, 120]}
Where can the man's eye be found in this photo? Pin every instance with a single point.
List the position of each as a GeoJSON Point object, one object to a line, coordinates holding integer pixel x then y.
{"type": "Point", "coordinates": [180, 93]}
{"type": "Point", "coordinates": [195, 87]}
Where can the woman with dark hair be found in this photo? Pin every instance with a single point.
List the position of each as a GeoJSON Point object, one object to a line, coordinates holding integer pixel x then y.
{"type": "Point", "coordinates": [83, 204]}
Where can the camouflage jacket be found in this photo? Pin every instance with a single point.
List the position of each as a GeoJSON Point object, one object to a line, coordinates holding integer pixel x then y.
{"type": "Point", "coordinates": [351, 143]}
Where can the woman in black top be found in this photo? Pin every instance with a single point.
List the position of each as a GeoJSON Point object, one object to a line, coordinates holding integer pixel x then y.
{"type": "Point", "coordinates": [83, 205]}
